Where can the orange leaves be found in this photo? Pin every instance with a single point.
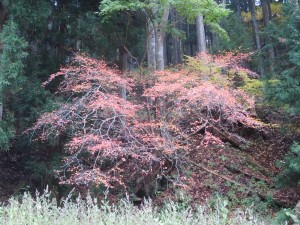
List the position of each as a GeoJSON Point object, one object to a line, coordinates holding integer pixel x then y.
{"type": "Point", "coordinates": [85, 73]}
{"type": "Point", "coordinates": [202, 98]}
{"type": "Point", "coordinates": [108, 102]}
{"type": "Point", "coordinates": [95, 144]}
{"type": "Point", "coordinates": [217, 101]}
{"type": "Point", "coordinates": [103, 129]}
{"type": "Point", "coordinates": [169, 84]}
{"type": "Point", "coordinates": [107, 136]}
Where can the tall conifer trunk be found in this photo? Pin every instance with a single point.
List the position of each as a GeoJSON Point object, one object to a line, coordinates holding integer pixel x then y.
{"type": "Point", "coordinates": [266, 17]}
{"type": "Point", "coordinates": [256, 33]}
{"type": "Point", "coordinates": [124, 66]}
{"type": "Point", "coordinates": [3, 15]}
{"type": "Point", "coordinates": [201, 40]}
{"type": "Point", "coordinates": [175, 50]}
{"type": "Point", "coordinates": [160, 39]}
{"type": "Point", "coordinates": [238, 10]}
{"type": "Point", "coordinates": [3, 18]}
{"type": "Point", "coordinates": [151, 49]}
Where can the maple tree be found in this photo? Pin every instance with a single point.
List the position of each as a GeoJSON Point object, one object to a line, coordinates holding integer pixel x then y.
{"type": "Point", "coordinates": [102, 129]}
{"type": "Point", "coordinates": [110, 141]}
{"type": "Point", "coordinates": [202, 100]}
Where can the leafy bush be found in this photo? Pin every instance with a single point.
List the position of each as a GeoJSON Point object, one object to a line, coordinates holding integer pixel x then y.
{"type": "Point", "coordinates": [286, 216]}
{"type": "Point", "coordinates": [120, 143]}
{"type": "Point", "coordinates": [102, 131]}
{"type": "Point", "coordinates": [290, 176]}
{"type": "Point", "coordinates": [45, 210]}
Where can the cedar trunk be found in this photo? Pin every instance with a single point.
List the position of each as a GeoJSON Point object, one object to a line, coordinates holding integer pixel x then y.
{"type": "Point", "coordinates": [160, 39]}
{"type": "Point", "coordinates": [266, 16]}
{"type": "Point", "coordinates": [256, 33]}
{"type": "Point", "coordinates": [151, 47]}
{"type": "Point", "coordinates": [201, 40]}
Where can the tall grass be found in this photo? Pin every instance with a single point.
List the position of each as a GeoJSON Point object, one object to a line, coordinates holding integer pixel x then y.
{"type": "Point", "coordinates": [44, 210]}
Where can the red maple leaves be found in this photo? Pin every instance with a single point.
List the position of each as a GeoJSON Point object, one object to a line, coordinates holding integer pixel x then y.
{"type": "Point", "coordinates": [109, 139]}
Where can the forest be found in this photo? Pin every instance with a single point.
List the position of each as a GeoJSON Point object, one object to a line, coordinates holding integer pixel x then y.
{"type": "Point", "coordinates": [149, 112]}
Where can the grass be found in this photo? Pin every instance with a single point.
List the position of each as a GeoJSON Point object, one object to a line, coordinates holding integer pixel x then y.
{"type": "Point", "coordinates": [44, 210]}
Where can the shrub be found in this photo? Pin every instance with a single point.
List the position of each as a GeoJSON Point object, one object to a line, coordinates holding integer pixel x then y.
{"type": "Point", "coordinates": [100, 130]}
{"type": "Point", "coordinates": [290, 176]}
{"type": "Point", "coordinates": [120, 143]}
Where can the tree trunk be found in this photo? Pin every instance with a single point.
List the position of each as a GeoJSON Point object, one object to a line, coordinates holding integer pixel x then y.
{"type": "Point", "coordinates": [201, 40]}
{"type": "Point", "coordinates": [233, 139]}
{"type": "Point", "coordinates": [159, 47]}
{"type": "Point", "coordinates": [125, 68]}
{"type": "Point", "coordinates": [256, 33]}
{"type": "Point", "coordinates": [174, 51]}
{"type": "Point", "coordinates": [269, 8]}
{"type": "Point", "coordinates": [3, 18]}
{"type": "Point", "coordinates": [151, 58]}
{"type": "Point", "coordinates": [189, 44]}
{"type": "Point", "coordinates": [159, 39]}
{"type": "Point", "coordinates": [254, 24]}
{"type": "Point", "coordinates": [265, 10]}
{"type": "Point", "coordinates": [3, 15]}
{"type": "Point", "coordinates": [238, 10]}
{"type": "Point", "coordinates": [175, 42]}
{"type": "Point", "coordinates": [78, 45]}
{"type": "Point", "coordinates": [266, 17]}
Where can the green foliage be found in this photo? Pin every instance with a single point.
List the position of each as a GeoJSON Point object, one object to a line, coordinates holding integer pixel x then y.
{"type": "Point", "coordinates": [254, 87]}
{"type": "Point", "coordinates": [276, 9]}
{"type": "Point", "coordinates": [212, 12]}
{"type": "Point", "coordinates": [30, 14]}
{"type": "Point", "coordinates": [21, 97]}
{"type": "Point", "coordinates": [290, 176]}
{"type": "Point", "coordinates": [43, 170]}
{"type": "Point", "coordinates": [153, 9]}
{"type": "Point", "coordinates": [239, 37]}
{"type": "Point", "coordinates": [11, 70]}
{"type": "Point", "coordinates": [286, 92]}
{"type": "Point", "coordinates": [7, 131]}
{"type": "Point", "coordinates": [109, 7]}
{"type": "Point", "coordinates": [286, 216]}
{"type": "Point", "coordinates": [12, 55]}
{"type": "Point", "coordinates": [189, 9]}
{"type": "Point", "coordinates": [221, 75]}
{"type": "Point", "coordinates": [87, 31]}
{"type": "Point", "coordinates": [121, 29]}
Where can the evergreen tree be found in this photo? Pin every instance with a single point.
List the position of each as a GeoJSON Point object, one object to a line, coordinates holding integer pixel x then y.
{"type": "Point", "coordinates": [239, 35]}
{"type": "Point", "coordinates": [290, 176]}
{"type": "Point", "coordinates": [285, 91]}
{"type": "Point", "coordinates": [12, 58]}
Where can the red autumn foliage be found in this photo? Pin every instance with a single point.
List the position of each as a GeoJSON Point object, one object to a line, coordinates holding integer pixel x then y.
{"type": "Point", "coordinates": [108, 139]}
{"type": "Point", "coordinates": [102, 129]}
